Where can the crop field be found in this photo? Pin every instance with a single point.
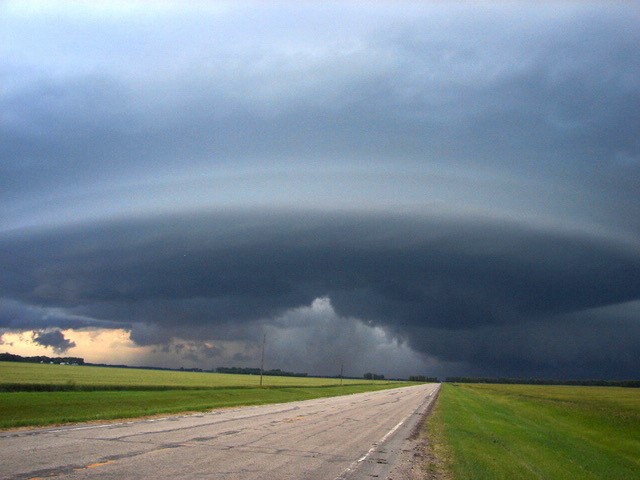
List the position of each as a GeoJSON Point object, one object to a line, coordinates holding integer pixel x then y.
{"type": "Point", "coordinates": [44, 374]}
{"type": "Point", "coordinates": [41, 394]}
{"type": "Point", "coordinates": [537, 432]}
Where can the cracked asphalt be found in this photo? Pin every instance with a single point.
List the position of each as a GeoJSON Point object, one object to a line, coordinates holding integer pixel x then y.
{"type": "Point", "coordinates": [349, 437]}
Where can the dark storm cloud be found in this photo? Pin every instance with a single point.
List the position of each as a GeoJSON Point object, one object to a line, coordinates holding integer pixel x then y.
{"type": "Point", "coordinates": [488, 126]}
{"type": "Point", "coordinates": [54, 339]}
{"type": "Point", "coordinates": [451, 287]}
{"type": "Point", "coordinates": [195, 351]}
{"type": "Point", "coordinates": [16, 315]}
{"type": "Point", "coordinates": [315, 338]}
{"type": "Point", "coordinates": [574, 345]}
{"type": "Point", "coordinates": [545, 93]}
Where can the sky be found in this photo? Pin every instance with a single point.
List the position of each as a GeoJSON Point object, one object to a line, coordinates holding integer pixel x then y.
{"type": "Point", "coordinates": [405, 188]}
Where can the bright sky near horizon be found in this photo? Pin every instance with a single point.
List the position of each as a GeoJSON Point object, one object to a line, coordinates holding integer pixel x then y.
{"type": "Point", "coordinates": [441, 188]}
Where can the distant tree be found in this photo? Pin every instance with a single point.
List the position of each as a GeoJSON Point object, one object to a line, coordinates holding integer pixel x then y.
{"type": "Point", "coordinates": [423, 379]}
{"type": "Point", "coordinates": [256, 371]}
{"type": "Point", "coordinates": [10, 357]}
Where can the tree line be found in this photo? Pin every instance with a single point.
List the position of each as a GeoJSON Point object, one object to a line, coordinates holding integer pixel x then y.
{"type": "Point", "coordinates": [422, 378]}
{"type": "Point", "coordinates": [10, 357]}
{"type": "Point", "coordinates": [256, 371]}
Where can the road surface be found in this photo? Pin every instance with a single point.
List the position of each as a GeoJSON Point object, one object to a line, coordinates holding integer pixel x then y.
{"type": "Point", "coordinates": [349, 437]}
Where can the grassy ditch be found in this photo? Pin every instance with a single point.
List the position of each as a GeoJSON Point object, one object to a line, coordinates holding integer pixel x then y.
{"type": "Point", "coordinates": [34, 394]}
{"type": "Point", "coordinates": [537, 432]}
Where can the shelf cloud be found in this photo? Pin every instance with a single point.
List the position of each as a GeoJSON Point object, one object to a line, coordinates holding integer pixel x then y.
{"type": "Point", "coordinates": [451, 187]}
{"type": "Point", "coordinates": [455, 289]}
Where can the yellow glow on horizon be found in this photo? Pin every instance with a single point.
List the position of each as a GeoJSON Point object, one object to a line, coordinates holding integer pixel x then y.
{"type": "Point", "coordinates": [95, 345]}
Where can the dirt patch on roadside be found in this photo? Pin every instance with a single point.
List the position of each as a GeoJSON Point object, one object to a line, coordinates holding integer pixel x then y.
{"type": "Point", "coordinates": [418, 460]}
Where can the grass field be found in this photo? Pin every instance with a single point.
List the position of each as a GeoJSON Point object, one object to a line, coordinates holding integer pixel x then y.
{"type": "Point", "coordinates": [126, 393]}
{"type": "Point", "coordinates": [537, 432]}
{"type": "Point", "coordinates": [45, 374]}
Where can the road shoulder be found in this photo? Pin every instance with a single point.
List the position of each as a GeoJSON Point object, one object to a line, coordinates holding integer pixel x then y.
{"type": "Point", "coordinates": [417, 459]}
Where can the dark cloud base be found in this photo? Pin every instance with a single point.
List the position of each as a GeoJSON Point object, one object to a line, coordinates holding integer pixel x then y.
{"type": "Point", "coordinates": [500, 297]}
{"type": "Point", "coordinates": [54, 339]}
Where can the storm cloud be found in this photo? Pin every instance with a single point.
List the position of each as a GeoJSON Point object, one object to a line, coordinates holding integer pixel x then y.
{"type": "Point", "coordinates": [512, 109]}
{"type": "Point", "coordinates": [54, 339]}
{"type": "Point", "coordinates": [452, 184]}
{"type": "Point", "coordinates": [446, 286]}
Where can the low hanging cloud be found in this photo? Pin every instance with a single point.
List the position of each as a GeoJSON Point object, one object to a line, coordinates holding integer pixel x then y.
{"type": "Point", "coordinates": [17, 315]}
{"type": "Point", "coordinates": [54, 339]}
{"type": "Point", "coordinates": [478, 292]}
{"type": "Point", "coordinates": [311, 339]}
{"type": "Point", "coordinates": [315, 338]}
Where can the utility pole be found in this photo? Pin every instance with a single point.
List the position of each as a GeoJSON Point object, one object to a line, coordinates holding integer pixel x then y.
{"type": "Point", "coordinates": [341, 371]}
{"type": "Point", "coordinates": [264, 340]}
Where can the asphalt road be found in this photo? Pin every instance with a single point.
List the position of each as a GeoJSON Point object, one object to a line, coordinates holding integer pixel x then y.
{"type": "Point", "coordinates": [350, 437]}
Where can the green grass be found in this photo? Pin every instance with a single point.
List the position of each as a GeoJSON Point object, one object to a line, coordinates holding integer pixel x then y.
{"type": "Point", "coordinates": [127, 393]}
{"type": "Point", "coordinates": [44, 408]}
{"type": "Point", "coordinates": [537, 432]}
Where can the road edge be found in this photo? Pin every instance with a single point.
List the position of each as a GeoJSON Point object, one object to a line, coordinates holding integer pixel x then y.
{"type": "Point", "coordinates": [417, 453]}
{"type": "Point", "coordinates": [402, 442]}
